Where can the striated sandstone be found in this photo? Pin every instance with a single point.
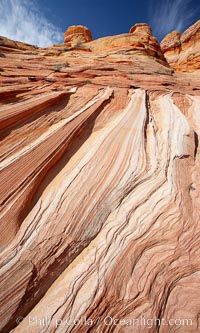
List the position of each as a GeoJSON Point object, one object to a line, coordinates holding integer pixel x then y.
{"type": "Point", "coordinates": [100, 188]}
{"type": "Point", "coordinates": [6, 42]}
{"type": "Point", "coordinates": [77, 34]}
{"type": "Point", "coordinates": [138, 41]}
{"type": "Point", "coordinates": [183, 51]}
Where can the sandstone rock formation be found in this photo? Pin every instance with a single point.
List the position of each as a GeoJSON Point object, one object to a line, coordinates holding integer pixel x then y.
{"type": "Point", "coordinates": [172, 42]}
{"type": "Point", "coordinates": [77, 34]}
{"type": "Point", "coordinates": [141, 28]}
{"type": "Point", "coordinates": [100, 188]}
{"type": "Point", "coordinates": [6, 42]}
{"type": "Point", "coordinates": [183, 51]}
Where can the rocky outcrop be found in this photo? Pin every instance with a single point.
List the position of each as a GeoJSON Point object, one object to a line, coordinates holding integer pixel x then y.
{"type": "Point", "coordinates": [8, 43]}
{"type": "Point", "coordinates": [172, 42]}
{"type": "Point", "coordinates": [100, 188]}
{"type": "Point", "coordinates": [183, 51]}
{"type": "Point", "coordinates": [139, 41]}
{"type": "Point", "coordinates": [77, 34]}
{"type": "Point", "coordinates": [141, 29]}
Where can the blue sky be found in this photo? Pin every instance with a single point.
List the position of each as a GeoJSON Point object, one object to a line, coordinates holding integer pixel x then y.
{"type": "Point", "coordinates": [43, 22]}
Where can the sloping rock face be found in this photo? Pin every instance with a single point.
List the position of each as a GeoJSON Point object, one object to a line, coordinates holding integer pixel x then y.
{"type": "Point", "coordinates": [100, 189]}
{"type": "Point", "coordinates": [183, 51]}
{"type": "Point", "coordinates": [5, 42]}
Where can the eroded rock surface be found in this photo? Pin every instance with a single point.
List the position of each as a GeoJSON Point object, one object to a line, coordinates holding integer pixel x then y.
{"type": "Point", "coordinates": [77, 34]}
{"type": "Point", "coordinates": [100, 188]}
{"type": "Point", "coordinates": [183, 51]}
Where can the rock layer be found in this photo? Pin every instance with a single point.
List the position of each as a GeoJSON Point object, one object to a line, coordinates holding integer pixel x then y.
{"type": "Point", "coordinates": [100, 188]}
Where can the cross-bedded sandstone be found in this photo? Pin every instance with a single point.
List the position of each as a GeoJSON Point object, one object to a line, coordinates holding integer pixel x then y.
{"type": "Point", "coordinates": [100, 185]}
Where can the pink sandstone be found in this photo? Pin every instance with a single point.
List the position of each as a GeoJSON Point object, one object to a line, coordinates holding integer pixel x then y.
{"type": "Point", "coordinates": [100, 184]}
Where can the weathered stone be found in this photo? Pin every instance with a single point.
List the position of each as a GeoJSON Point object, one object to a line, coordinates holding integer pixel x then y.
{"type": "Point", "coordinates": [77, 34]}
{"type": "Point", "coordinates": [183, 51]}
